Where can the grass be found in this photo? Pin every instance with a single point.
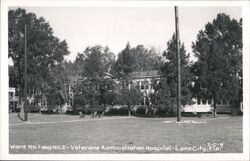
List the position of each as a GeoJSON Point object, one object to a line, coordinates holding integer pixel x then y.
{"type": "Point", "coordinates": [61, 133]}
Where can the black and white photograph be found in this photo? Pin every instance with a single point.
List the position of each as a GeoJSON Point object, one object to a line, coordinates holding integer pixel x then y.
{"type": "Point", "coordinates": [153, 80]}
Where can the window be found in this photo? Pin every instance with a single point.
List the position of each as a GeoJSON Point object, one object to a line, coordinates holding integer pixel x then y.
{"type": "Point", "coordinates": [142, 101]}
{"type": "Point", "coordinates": [209, 101]}
{"type": "Point", "coordinates": [218, 102]}
{"type": "Point", "coordinates": [11, 94]}
{"type": "Point", "coordinates": [198, 101]}
{"type": "Point", "coordinates": [204, 101]}
{"type": "Point", "coordinates": [71, 102]}
{"type": "Point", "coordinates": [147, 85]}
{"type": "Point", "coordinates": [142, 86]}
{"type": "Point", "coordinates": [34, 90]}
{"type": "Point", "coordinates": [147, 101]}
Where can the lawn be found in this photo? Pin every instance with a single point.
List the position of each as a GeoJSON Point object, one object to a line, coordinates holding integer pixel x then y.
{"type": "Point", "coordinates": [71, 134]}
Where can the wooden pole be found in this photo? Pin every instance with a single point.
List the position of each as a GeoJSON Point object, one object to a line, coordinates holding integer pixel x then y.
{"type": "Point", "coordinates": [178, 65]}
{"type": "Point", "coordinates": [25, 74]}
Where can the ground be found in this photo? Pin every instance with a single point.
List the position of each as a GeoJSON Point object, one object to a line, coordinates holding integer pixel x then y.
{"type": "Point", "coordinates": [72, 134]}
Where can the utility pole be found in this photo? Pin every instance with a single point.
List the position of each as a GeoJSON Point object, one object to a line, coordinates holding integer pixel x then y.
{"type": "Point", "coordinates": [25, 74]}
{"type": "Point", "coordinates": [178, 65]}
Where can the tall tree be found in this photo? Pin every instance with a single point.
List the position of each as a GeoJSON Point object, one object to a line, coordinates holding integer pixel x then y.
{"type": "Point", "coordinates": [129, 95]}
{"type": "Point", "coordinates": [167, 90]}
{"type": "Point", "coordinates": [78, 64]}
{"type": "Point", "coordinates": [55, 91]}
{"type": "Point", "coordinates": [218, 70]}
{"type": "Point", "coordinates": [136, 59]}
{"type": "Point", "coordinates": [44, 50]}
{"type": "Point", "coordinates": [130, 60]}
{"type": "Point", "coordinates": [125, 63]}
{"type": "Point", "coordinates": [146, 59]}
{"type": "Point", "coordinates": [96, 76]}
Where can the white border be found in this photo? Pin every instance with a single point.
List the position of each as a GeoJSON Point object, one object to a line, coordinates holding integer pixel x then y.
{"type": "Point", "coordinates": [58, 3]}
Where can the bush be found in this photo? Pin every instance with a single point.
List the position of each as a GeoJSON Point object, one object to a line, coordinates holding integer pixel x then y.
{"type": "Point", "coordinates": [161, 111]}
{"type": "Point", "coordinates": [70, 110]}
{"type": "Point", "coordinates": [50, 109]}
{"type": "Point", "coordinates": [78, 108]}
{"type": "Point", "coordinates": [33, 109]}
{"type": "Point", "coordinates": [122, 111]}
{"type": "Point", "coordinates": [140, 110]}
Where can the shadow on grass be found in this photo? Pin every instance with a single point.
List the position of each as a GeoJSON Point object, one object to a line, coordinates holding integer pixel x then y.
{"type": "Point", "coordinates": [18, 115]}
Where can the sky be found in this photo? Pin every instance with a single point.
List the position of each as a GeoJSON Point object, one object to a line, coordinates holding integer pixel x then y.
{"type": "Point", "coordinates": [115, 26]}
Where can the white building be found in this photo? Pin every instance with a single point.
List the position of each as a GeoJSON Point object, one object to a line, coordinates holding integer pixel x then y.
{"type": "Point", "coordinates": [206, 106]}
{"type": "Point", "coordinates": [13, 100]}
{"type": "Point", "coordinates": [145, 79]}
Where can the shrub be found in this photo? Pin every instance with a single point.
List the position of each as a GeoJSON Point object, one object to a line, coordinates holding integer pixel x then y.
{"type": "Point", "coordinates": [50, 109]}
{"type": "Point", "coordinates": [122, 111]}
{"type": "Point", "coordinates": [140, 110]}
{"type": "Point", "coordinates": [33, 109]}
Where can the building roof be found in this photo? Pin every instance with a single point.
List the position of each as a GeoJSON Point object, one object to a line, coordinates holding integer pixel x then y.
{"type": "Point", "coordinates": [145, 74]}
{"type": "Point", "coordinates": [75, 78]}
{"type": "Point", "coordinates": [133, 75]}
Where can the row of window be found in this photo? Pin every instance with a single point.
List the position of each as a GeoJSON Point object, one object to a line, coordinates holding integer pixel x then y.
{"type": "Point", "coordinates": [70, 102]}
{"type": "Point", "coordinates": [33, 91]}
{"type": "Point", "coordinates": [143, 84]}
{"type": "Point", "coordinates": [36, 103]}
{"type": "Point", "coordinates": [209, 102]}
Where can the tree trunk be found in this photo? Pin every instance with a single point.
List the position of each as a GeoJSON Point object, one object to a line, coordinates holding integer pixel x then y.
{"type": "Point", "coordinates": [20, 84]}
{"type": "Point", "coordinates": [146, 111]}
{"type": "Point", "coordinates": [129, 111]}
{"type": "Point", "coordinates": [92, 101]}
{"type": "Point", "coordinates": [20, 100]}
{"type": "Point", "coordinates": [215, 111]}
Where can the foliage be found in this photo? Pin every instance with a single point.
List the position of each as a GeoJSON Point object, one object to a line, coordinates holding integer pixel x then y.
{"type": "Point", "coordinates": [44, 50]}
{"type": "Point", "coordinates": [129, 95]}
{"type": "Point", "coordinates": [129, 60]}
{"type": "Point", "coordinates": [55, 98]}
{"type": "Point", "coordinates": [218, 70]}
{"type": "Point", "coordinates": [125, 62]}
{"type": "Point", "coordinates": [146, 59]}
{"type": "Point", "coordinates": [122, 111]}
{"type": "Point", "coordinates": [136, 59]}
{"type": "Point", "coordinates": [78, 65]}
{"type": "Point", "coordinates": [96, 84]}
{"type": "Point", "coordinates": [166, 88]}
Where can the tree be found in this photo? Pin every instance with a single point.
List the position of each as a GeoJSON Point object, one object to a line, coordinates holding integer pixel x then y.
{"type": "Point", "coordinates": [79, 102]}
{"type": "Point", "coordinates": [167, 87]}
{"type": "Point", "coordinates": [129, 60]}
{"type": "Point", "coordinates": [146, 59]}
{"type": "Point", "coordinates": [129, 95]}
{"type": "Point", "coordinates": [125, 63]}
{"type": "Point", "coordinates": [218, 70]}
{"type": "Point", "coordinates": [78, 64]}
{"type": "Point", "coordinates": [44, 50]}
{"type": "Point", "coordinates": [96, 81]}
{"type": "Point", "coordinates": [136, 59]}
{"type": "Point", "coordinates": [161, 97]}
{"type": "Point", "coordinates": [55, 91]}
